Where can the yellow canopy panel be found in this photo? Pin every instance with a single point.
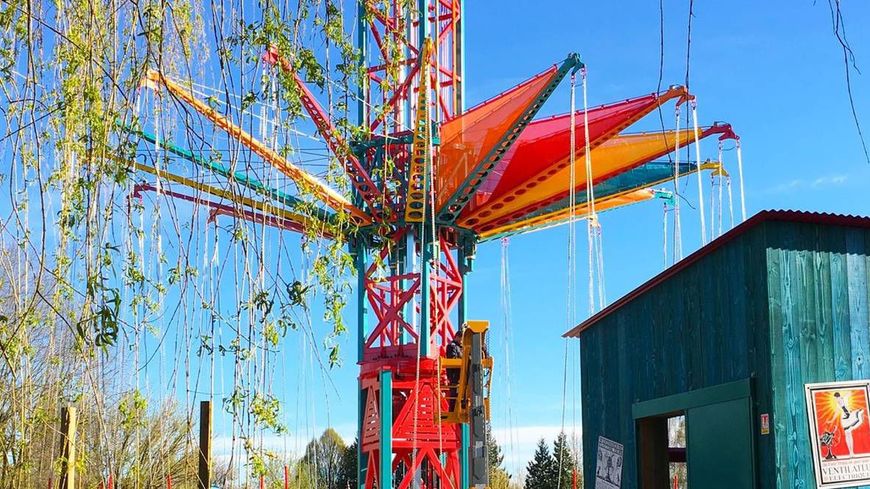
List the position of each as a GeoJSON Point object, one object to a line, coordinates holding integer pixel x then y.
{"type": "Point", "coordinates": [563, 216]}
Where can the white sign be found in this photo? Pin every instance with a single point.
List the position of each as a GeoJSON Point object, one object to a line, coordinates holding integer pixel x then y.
{"type": "Point", "coordinates": [839, 432]}
{"type": "Point", "coordinates": [608, 469]}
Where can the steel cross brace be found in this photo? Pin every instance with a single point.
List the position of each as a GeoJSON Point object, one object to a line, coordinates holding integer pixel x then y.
{"type": "Point", "coordinates": [359, 177]}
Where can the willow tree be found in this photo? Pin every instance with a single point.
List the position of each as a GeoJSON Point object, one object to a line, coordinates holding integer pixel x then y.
{"type": "Point", "coordinates": [111, 294]}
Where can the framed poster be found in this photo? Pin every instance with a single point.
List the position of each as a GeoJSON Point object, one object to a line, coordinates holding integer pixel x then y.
{"type": "Point", "coordinates": [840, 432]}
{"type": "Point", "coordinates": [608, 465]}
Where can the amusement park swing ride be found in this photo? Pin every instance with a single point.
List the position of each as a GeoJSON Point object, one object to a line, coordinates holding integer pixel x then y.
{"type": "Point", "coordinates": [457, 177]}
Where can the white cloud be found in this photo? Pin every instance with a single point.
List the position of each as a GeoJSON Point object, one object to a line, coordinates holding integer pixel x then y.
{"type": "Point", "coordinates": [825, 181]}
{"type": "Point", "coordinates": [292, 444]}
{"type": "Point", "coordinates": [830, 180]}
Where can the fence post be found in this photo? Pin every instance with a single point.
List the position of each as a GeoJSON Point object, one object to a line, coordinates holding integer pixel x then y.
{"type": "Point", "coordinates": [204, 472]}
{"type": "Point", "coordinates": [67, 447]}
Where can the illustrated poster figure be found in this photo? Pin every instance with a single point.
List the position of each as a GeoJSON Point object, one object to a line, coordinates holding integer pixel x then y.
{"type": "Point", "coordinates": [849, 420]}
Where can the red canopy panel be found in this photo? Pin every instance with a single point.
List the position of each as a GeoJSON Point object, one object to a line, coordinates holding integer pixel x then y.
{"type": "Point", "coordinates": [467, 139]}
{"type": "Point", "coordinates": [543, 149]}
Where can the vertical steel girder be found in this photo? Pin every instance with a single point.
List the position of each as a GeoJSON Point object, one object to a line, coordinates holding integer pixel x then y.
{"type": "Point", "coordinates": [392, 47]}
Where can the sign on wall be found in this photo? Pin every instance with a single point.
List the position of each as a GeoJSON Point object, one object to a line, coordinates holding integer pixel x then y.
{"type": "Point", "coordinates": [840, 432]}
{"type": "Point", "coordinates": [765, 424]}
{"type": "Point", "coordinates": [608, 466]}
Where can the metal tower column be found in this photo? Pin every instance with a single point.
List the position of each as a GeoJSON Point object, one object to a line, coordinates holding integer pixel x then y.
{"type": "Point", "coordinates": [412, 313]}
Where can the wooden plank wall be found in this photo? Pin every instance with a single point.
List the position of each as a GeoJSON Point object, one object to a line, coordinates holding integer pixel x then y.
{"type": "Point", "coordinates": [819, 325]}
{"type": "Point", "coordinates": [785, 303]}
{"type": "Point", "coordinates": [703, 327]}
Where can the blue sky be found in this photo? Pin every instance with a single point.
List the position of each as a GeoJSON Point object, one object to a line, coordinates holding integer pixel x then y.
{"type": "Point", "coordinates": [772, 69]}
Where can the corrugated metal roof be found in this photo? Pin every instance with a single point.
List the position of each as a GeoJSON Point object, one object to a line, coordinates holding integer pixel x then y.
{"type": "Point", "coordinates": [761, 217]}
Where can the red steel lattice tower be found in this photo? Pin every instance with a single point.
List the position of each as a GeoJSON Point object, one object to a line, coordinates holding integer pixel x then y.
{"type": "Point", "coordinates": [410, 290]}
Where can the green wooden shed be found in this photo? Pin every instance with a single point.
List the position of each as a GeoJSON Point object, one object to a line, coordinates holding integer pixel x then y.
{"type": "Point", "coordinates": [730, 339]}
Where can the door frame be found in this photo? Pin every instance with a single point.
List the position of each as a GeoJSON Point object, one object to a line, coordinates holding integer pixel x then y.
{"type": "Point", "coordinates": [682, 402]}
{"type": "Point", "coordinates": [690, 399]}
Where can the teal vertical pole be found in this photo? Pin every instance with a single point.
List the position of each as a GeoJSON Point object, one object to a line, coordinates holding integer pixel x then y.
{"type": "Point", "coordinates": [465, 439]}
{"type": "Point", "coordinates": [386, 465]}
{"type": "Point", "coordinates": [362, 38]}
{"type": "Point", "coordinates": [423, 26]}
{"type": "Point", "coordinates": [402, 267]}
{"type": "Point", "coordinates": [427, 240]}
{"type": "Point", "coordinates": [459, 40]}
{"type": "Point", "coordinates": [362, 333]}
{"type": "Point", "coordinates": [361, 326]}
{"type": "Point", "coordinates": [463, 294]}
{"type": "Point", "coordinates": [362, 33]}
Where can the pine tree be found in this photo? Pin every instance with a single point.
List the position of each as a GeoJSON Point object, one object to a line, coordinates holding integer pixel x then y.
{"type": "Point", "coordinates": [541, 470]}
{"type": "Point", "coordinates": [347, 475]}
{"type": "Point", "coordinates": [495, 457]}
{"type": "Point", "coordinates": [565, 462]}
{"type": "Point", "coordinates": [498, 476]}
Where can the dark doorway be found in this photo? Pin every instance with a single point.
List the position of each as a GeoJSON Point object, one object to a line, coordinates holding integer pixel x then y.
{"type": "Point", "coordinates": [662, 450]}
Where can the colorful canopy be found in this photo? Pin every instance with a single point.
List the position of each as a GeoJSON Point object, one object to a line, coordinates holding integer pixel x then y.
{"type": "Point", "coordinates": [468, 139]}
{"type": "Point", "coordinates": [544, 147]}
{"type": "Point", "coordinates": [495, 169]}
{"type": "Point", "coordinates": [651, 174]}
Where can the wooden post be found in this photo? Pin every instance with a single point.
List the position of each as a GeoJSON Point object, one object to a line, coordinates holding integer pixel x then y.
{"type": "Point", "coordinates": [67, 448]}
{"type": "Point", "coordinates": [204, 473]}
{"type": "Point", "coordinates": [286, 477]}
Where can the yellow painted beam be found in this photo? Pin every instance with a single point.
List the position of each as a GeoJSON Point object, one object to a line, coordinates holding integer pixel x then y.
{"type": "Point", "coordinates": [302, 178]}
{"type": "Point", "coordinates": [263, 207]}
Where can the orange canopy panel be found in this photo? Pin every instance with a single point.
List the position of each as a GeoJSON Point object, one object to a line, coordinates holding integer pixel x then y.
{"type": "Point", "coordinates": [467, 139]}
{"type": "Point", "coordinates": [617, 155]}
{"type": "Point", "coordinates": [581, 211]}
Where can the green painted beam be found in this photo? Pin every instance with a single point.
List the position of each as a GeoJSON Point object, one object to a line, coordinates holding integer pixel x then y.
{"type": "Point", "coordinates": [386, 442]}
{"type": "Point", "coordinates": [690, 399]}
{"type": "Point", "coordinates": [222, 170]}
{"type": "Point", "coordinates": [361, 250]}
